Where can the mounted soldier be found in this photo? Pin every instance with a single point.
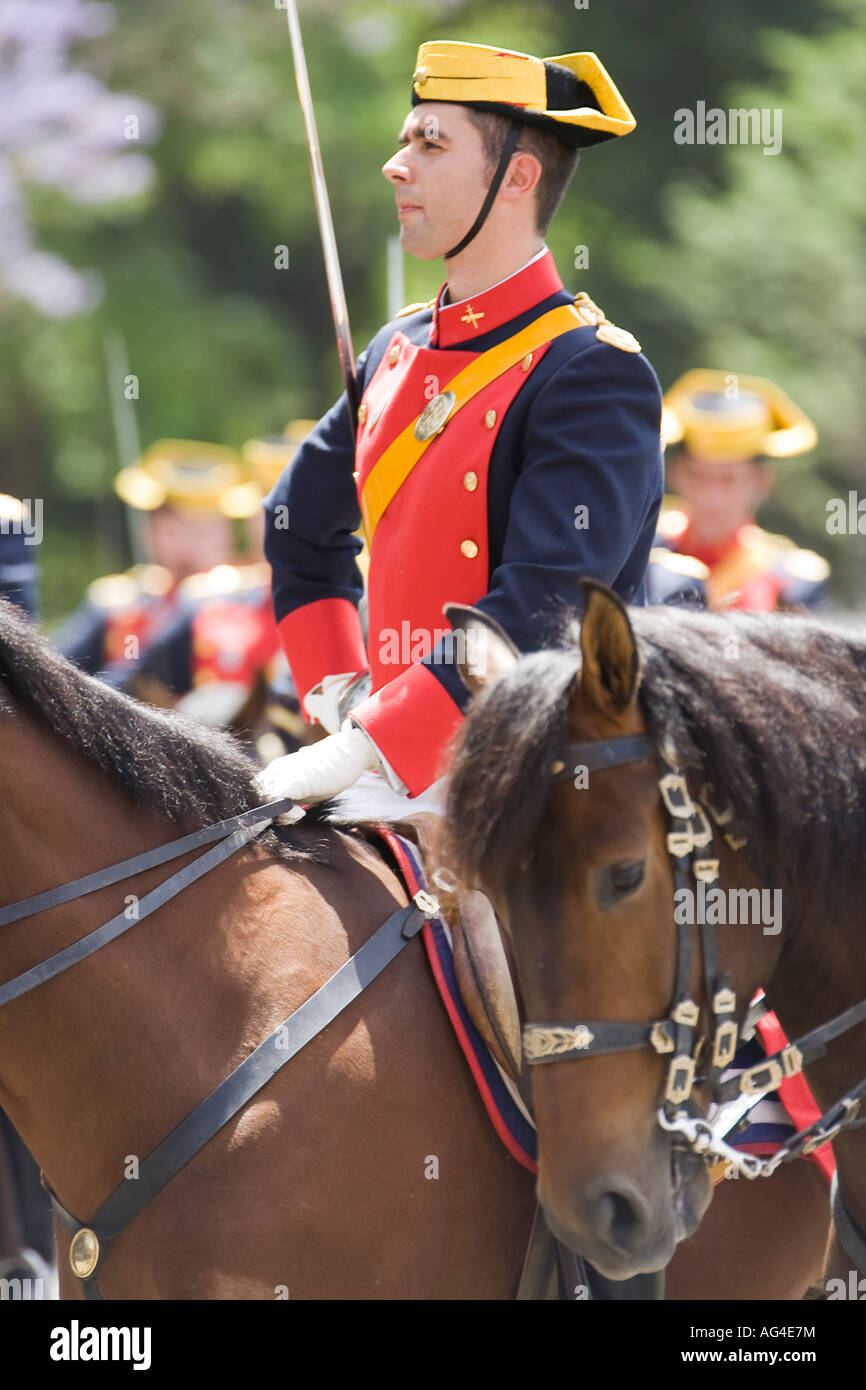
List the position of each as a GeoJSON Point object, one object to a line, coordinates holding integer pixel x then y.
{"type": "Point", "coordinates": [219, 656]}
{"type": "Point", "coordinates": [724, 431]}
{"type": "Point", "coordinates": [185, 492]}
{"type": "Point", "coordinates": [508, 435]}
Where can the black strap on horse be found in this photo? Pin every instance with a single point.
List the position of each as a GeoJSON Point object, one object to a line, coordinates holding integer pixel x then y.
{"type": "Point", "coordinates": [186, 1139]}
{"type": "Point", "coordinates": [552, 1272]}
{"type": "Point", "coordinates": [811, 1046]}
{"type": "Point", "coordinates": [851, 1239]}
{"type": "Point", "coordinates": [149, 859]}
{"type": "Point", "coordinates": [89, 1241]}
{"type": "Point", "coordinates": [539, 1278]}
{"type": "Point", "coordinates": [233, 834]}
{"type": "Point", "coordinates": [557, 1041]}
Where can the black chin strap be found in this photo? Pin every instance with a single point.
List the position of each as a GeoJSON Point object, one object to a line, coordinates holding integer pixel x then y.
{"type": "Point", "coordinates": [504, 160]}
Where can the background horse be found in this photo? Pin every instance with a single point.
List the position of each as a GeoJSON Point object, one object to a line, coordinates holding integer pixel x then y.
{"type": "Point", "coordinates": [325, 1185]}
{"type": "Point", "coordinates": [771, 712]}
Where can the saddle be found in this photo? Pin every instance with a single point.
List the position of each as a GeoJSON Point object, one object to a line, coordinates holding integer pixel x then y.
{"type": "Point", "coordinates": [483, 961]}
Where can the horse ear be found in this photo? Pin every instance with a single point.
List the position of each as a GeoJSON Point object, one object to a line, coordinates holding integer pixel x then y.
{"type": "Point", "coordinates": [609, 673]}
{"type": "Point", "coordinates": [482, 651]}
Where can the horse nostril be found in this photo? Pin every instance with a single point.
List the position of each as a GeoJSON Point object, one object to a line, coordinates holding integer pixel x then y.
{"type": "Point", "coordinates": [619, 1214]}
{"type": "Point", "coordinates": [622, 1219]}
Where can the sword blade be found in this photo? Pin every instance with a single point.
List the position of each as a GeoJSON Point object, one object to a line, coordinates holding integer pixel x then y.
{"type": "Point", "coordinates": [323, 212]}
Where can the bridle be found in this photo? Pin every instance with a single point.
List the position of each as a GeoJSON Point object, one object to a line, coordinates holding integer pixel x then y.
{"type": "Point", "coordinates": [677, 1034]}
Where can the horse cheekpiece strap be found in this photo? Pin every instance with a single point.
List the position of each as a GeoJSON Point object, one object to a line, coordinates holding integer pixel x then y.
{"type": "Point", "coordinates": [561, 1041]}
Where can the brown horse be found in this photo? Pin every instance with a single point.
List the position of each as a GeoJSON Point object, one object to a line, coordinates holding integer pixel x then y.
{"type": "Point", "coordinates": [367, 1167]}
{"type": "Point", "coordinates": [772, 713]}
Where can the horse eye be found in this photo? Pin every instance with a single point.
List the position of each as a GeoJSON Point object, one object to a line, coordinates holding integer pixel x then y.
{"type": "Point", "coordinates": [625, 878]}
{"type": "Point", "coordinates": [617, 882]}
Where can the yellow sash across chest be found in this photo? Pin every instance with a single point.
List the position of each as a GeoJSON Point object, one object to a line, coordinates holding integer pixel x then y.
{"type": "Point", "coordinates": [391, 470]}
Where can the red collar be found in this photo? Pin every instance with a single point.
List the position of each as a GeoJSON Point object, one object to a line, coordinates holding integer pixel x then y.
{"type": "Point", "coordinates": [457, 324]}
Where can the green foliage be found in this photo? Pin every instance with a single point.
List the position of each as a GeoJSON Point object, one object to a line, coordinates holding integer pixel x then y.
{"type": "Point", "coordinates": [768, 277]}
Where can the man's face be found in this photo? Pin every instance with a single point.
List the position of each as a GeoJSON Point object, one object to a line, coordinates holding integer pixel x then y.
{"type": "Point", "coordinates": [440, 177]}
{"type": "Point", "coordinates": [719, 496]}
{"type": "Point", "coordinates": [187, 542]}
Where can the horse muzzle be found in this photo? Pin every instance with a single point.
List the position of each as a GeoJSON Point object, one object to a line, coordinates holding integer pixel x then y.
{"type": "Point", "coordinates": [620, 1228]}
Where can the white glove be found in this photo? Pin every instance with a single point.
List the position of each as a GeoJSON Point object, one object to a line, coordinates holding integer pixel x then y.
{"type": "Point", "coordinates": [321, 770]}
{"type": "Point", "coordinates": [324, 702]}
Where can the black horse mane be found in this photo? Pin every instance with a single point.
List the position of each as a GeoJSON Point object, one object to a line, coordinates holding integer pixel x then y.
{"type": "Point", "coordinates": [172, 766]}
{"type": "Point", "coordinates": [770, 709]}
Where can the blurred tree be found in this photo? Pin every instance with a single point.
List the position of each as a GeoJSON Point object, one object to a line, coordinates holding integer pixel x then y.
{"type": "Point", "coordinates": [765, 274]}
{"type": "Point", "coordinates": [61, 129]}
{"type": "Point", "coordinates": [227, 341]}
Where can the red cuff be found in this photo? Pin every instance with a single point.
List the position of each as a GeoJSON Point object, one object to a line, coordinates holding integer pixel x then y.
{"type": "Point", "coordinates": [411, 720]}
{"type": "Point", "coordinates": [322, 639]}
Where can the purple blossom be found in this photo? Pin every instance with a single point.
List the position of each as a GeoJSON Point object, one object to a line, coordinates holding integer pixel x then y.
{"type": "Point", "coordinates": [60, 128]}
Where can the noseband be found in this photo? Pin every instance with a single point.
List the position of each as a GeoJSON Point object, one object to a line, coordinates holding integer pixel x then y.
{"type": "Point", "coordinates": [689, 831]}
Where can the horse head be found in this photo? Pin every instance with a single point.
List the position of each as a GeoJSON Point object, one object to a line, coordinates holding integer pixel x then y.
{"type": "Point", "coordinates": [579, 871]}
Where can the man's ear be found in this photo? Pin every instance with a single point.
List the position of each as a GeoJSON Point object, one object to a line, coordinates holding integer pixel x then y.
{"type": "Point", "coordinates": [609, 672]}
{"type": "Point", "coordinates": [524, 173]}
{"type": "Point", "coordinates": [482, 651]}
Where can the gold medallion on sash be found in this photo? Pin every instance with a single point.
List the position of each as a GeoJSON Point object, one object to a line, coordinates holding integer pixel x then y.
{"type": "Point", "coordinates": [434, 415]}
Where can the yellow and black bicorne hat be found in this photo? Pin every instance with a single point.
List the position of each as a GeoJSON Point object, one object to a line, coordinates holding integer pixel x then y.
{"type": "Point", "coordinates": [182, 473]}
{"type": "Point", "coordinates": [265, 460]}
{"type": "Point", "coordinates": [721, 416]}
{"type": "Point", "coordinates": [571, 96]}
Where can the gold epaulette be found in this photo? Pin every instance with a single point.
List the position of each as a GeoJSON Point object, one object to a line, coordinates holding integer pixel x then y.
{"type": "Point", "coordinates": [154, 580]}
{"type": "Point", "coordinates": [808, 565]}
{"type": "Point", "coordinates": [226, 579]}
{"type": "Point", "coordinates": [781, 551]}
{"type": "Point", "coordinates": [113, 591]}
{"type": "Point", "coordinates": [671, 560]}
{"type": "Point", "coordinates": [605, 331]}
{"type": "Point", "coordinates": [672, 522]}
{"type": "Point", "coordinates": [413, 308]}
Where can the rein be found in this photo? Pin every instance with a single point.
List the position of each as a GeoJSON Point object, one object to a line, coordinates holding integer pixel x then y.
{"type": "Point", "coordinates": [89, 1241]}
{"type": "Point", "coordinates": [678, 1113]}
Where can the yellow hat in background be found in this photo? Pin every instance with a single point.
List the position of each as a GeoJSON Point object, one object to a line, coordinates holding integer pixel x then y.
{"type": "Point", "coordinates": [265, 460]}
{"type": "Point", "coordinates": [720, 416]}
{"type": "Point", "coordinates": [183, 473]}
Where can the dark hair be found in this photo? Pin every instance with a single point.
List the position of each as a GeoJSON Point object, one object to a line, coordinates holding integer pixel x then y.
{"type": "Point", "coordinates": [558, 161]}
